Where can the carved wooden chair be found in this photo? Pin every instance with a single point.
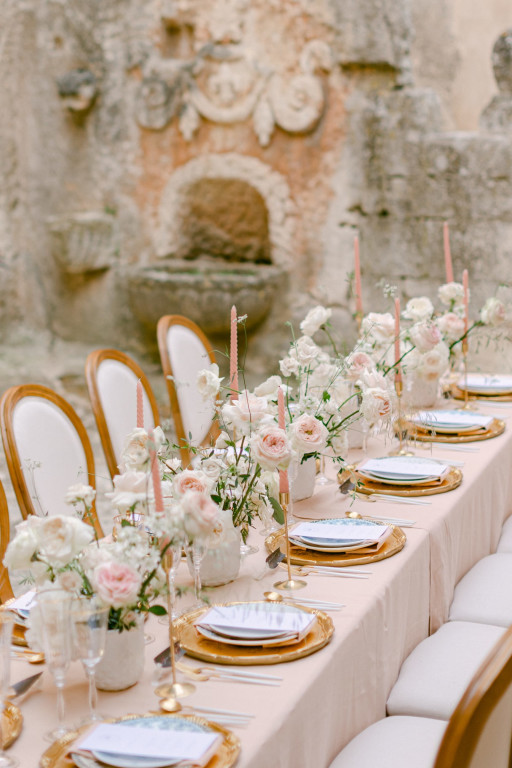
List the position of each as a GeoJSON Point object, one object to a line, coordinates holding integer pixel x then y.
{"type": "Point", "coordinates": [112, 382]}
{"type": "Point", "coordinates": [6, 592]}
{"type": "Point", "coordinates": [47, 450]}
{"type": "Point", "coordinates": [184, 351]}
{"type": "Point", "coordinates": [477, 735]}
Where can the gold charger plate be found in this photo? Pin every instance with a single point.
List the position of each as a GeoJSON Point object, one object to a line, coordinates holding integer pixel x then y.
{"type": "Point", "coordinates": [495, 428]}
{"type": "Point", "coordinates": [451, 481]}
{"type": "Point", "coordinates": [221, 653]}
{"type": "Point", "coordinates": [55, 755]}
{"type": "Point", "coordinates": [299, 556]}
{"type": "Point", "coordinates": [18, 630]}
{"type": "Point", "coordinates": [459, 394]}
{"type": "Point", "coordinates": [12, 722]}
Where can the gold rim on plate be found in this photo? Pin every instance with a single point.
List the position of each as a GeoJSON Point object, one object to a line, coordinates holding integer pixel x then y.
{"type": "Point", "coordinates": [449, 482]}
{"type": "Point", "coordinates": [221, 653]}
{"type": "Point", "coordinates": [227, 755]}
{"type": "Point", "coordinates": [18, 630]}
{"type": "Point", "coordinates": [12, 722]}
{"type": "Point", "coordinates": [423, 434]}
{"type": "Point", "coordinates": [299, 556]}
{"type": "Point", "coordinates": [459, 394]}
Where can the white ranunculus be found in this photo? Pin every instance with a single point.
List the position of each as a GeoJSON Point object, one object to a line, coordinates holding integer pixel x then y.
{"type": "Point", "coordinates": [63, 538]}
{"type": "Point", "coordinates": [451, 325]}
{"type": "Point", "coordinates": [289, 366]}
{"type": "Point", "coordinates": [314, 320]}
{"type": "Point", "coordinates": [425, 336]}
{"type": "Point", "coordinates": [130, 488]}
{"type": "Point", "coordinates": [451, 293]}
{"type": "Point", "coordinates": [269, 387]}
{"type": "Point", "coordinates": [80, 493]}
{"type": "Point", "coordinates": [248, 410]}
{"type": "Point", "coordinates": [24, 544]}
{"type": "Point", "coordinates": [419, 309]}
{"type": "Point", "coordinates": [380, 327]}
{"type": "Point", "coordinates": [493, 312]}
{"type": "Point", "coordinates": [208, 382]}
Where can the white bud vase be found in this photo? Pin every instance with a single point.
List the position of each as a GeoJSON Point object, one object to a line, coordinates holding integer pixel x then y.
{"type": "Point", "coordinates": [421, 392]}
{"type": "Point", "coordinates": [302, 479]}
{"type": "Point", "coordinates": [122, 663]}
{"type": "Point", "coordinates": [221, 561]}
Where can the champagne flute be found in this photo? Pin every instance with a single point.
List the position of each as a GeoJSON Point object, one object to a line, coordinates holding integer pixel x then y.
{"type": "Point", "coordinates": [196, 550]}
{"type": "Point", "coordinates": [54, 608]}
{"type": "Point", "coordinates": [90, 620]}
{"type": "Point", "coordinates": [6, 625]}
{"type": "Point", "coordinates": [174, 550]}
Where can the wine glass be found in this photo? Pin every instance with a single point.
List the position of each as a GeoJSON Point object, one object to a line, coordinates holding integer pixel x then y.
{"type": "Point", "coordinates": [6, 625]}
{"type": "Point", "coordinates": [174, 551]}
{"type": "Point", "coordinates": [196, 551]}
{"type": "Point", "coordinates": [90, 620]}
{"type": "Point", "coordinates": [54, 609]}
{"type": "Point", "coordinates": [321, 478]}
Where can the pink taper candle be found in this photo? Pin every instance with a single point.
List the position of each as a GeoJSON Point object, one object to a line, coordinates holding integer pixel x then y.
{"type": "Point", "coordinates": [447, 254]}
{"type": "Point", "coordinates": [157, 484]}
{"type": "Point", "coordinates": [140, 406]}
{"type": "Point", "coordinates": [357, 273]}
{"type": "Point", "coordinates": [233, 356]}
{"type": "Point", "coordinates": [398, 373]}
{"type": "Point", "coordinates": [465, 284]}
{"type": "Point", "coordinates": [283, 474]}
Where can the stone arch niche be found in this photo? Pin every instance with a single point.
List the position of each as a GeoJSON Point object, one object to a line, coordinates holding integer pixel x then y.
{"type": "Point", "coordinates": [224, 236]}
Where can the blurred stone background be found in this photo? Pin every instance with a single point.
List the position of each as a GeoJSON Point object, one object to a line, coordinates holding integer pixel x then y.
{"type": "Point", "coordinates": [176, 156]}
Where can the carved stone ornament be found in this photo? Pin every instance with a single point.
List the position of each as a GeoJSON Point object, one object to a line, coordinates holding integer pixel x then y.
{"type": "Point", "coordinates": [225, 84]}
{"type": "Point", "coordinates": [84, 242]}
{"type": "Point", "coordinates": [78, 90]}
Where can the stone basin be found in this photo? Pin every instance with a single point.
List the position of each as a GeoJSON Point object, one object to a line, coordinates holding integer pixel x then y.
{"type": "Point", "coordinates": [203, 292]}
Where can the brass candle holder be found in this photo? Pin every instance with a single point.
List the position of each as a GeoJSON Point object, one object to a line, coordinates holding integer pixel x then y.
{"type": "Point", "coordinates": [289, 583]}
{"type": "Point", "coordinates": [171, 692]}
{"type": "Point", "coordinates": [401, 450]}
{"type": "Point", "coordinates": [467, 406]}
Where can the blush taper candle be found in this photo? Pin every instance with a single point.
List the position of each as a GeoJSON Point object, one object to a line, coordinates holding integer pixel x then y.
{"type": "Point", "coordinates": [284, 486]}
{"type": "Point", "coordinates": [140, 406]}
{"type": "Point", "coordinates": [233, 355]}
{"type": "Point", "coordinates": [447, 253]}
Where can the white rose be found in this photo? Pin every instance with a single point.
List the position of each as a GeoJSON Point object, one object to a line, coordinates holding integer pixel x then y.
{"type": "Point", "coordinates": [200, 515]}
{"type": "Point", "coordinates": [268, 387]}
{"type": "Point", "coordinates": [289, 366]}
{"type": "Point", "coordinates": [246, 411]}
{"type": "Point", "coordinates": [212, 467]}
{"type": "Point", "coordinates": [432, 364]}
{"type": "Point", "coordinates": [24, 544]}
{"type": "Point", "coordinates": [356, 363]}
{"type": "Point", "coordinates": [376, 405]}
{"type": "Point", "coordinates": [451, 294]}
{"type": "Point", "coordinates": [63, 538]}
{"type": "Point", "coordinates": [419, 309]}
{"type": "Point", "coordinates": [493, 312]}
{"type": "Point", "coordinates": [80, 493]}
{"type": "Point", "coordinates": [425, 336]}
{"type": "Point", "coordinates": [373, 379]}
{"type": "Point", "coordinates": [380, 327]}
{"type": "Point", "coordinates": [314, 320]}
{"type": "Point", "coordinates": [208, 382]}
{"type": "Point", "coordinates": [270, 448]}
{"type": "Point", "coordinates": [222, 441]}
{"type": "Point", "coordinates": [307, 351]}
{"type": "Point", "coordinates": [451, 325]}
{"type": "Point", "coordinates": [307, 434]}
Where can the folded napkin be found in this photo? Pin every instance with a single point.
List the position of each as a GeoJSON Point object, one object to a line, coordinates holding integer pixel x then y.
{"type": "Point", "coordinates": [120, 739]}
{"type": "Point", "coordinates": [461, 419]}
{"type": "Point", "coordinates": [403, 468]}
{"type": "Point", "coordinates": [258, 618]}
{"type": "Point", "coordinates": [486, 381]}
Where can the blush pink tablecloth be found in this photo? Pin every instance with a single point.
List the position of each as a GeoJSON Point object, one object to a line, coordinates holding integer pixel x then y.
{"type": "Point", "coordinates": [326, 698]}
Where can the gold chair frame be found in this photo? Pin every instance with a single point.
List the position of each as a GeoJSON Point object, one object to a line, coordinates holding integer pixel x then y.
{"type": "Point", "coordinates": [8, 403]}
{"type": "Point", "coordinates": [488, 686]}
{"type": "Point", "coordinates": [6, 592]}
{"type": "Point", "coordinates": [92, 364]}
{"type": "Point", "coordinates": [163, 326]}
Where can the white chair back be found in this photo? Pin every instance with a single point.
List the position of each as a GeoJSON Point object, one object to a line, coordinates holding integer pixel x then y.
{"type": "Point", "coordinates": [188, 356]}
{"type": "Point", "coordinates": [117, 390]}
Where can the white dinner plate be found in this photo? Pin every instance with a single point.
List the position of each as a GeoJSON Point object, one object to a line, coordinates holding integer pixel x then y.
{"type": "Point", "coordinates": [399, 479]}
{"type": "Point", "coordinates": [210, 635]}
{"type": "Point", "coordinates": [161, 723]}
{"type": "Point", "coordinates": [318, 544]}
{"type": "Point", "coordinates": [336, 549]}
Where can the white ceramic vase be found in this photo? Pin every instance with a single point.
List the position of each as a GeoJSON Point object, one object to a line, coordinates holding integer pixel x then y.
{"type": "Point", "coordinates": [421, 392]}
{"type": "Point", "coordinates": [302, 479]}
{"type": "Point", "coordinates": [122, 663]}
{"type": "Point", "coordinates": [221, 562]}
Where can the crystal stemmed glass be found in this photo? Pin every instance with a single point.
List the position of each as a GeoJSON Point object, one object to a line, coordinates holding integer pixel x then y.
{"type": "Point", "coordinates": [90, 620]}
{"type": "Point", "coordinates": [321, 478]}
{"type": "Point", "coordinates": [175, 549]}
{"type": "Point", "coordinates": [196, 551]}
{"type": "Point", "coordinates": [6, 625]}
{"type": "Point", "coordinates": [54, 609]}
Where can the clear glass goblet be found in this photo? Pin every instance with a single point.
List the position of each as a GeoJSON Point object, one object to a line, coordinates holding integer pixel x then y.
{"type": "Point", "coordinates": [90, 621]}
{"type": "Point", "coordinates": [175, 549]}
{"type": "Point", "coordinates": [321, 478]}
{"type": "Point", "coordinates": [6, 625]}
{"type": "Point", "coordinates": [196, 550]}
{"type": "Point", "coordinates": [54, 609]}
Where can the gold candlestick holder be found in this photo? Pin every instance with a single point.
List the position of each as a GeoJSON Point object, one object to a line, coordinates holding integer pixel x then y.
{"type": "Point", "coordinates": [467, 405]}
{"type": "Point", "coordinates": [171, 692]}
{"type": "Point", "coordinates": [402, 449]}
{"type": "Point", "coordinates": [289, 583]}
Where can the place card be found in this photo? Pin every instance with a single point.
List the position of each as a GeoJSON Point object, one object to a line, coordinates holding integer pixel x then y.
{"type": "Point", "coordinates": [404, 466]}
{"type": "Point", "coordinates": [24, 602]}
{"type": "Point", "coordinates": [257, 618]}
{"type": "Point", "coordinates": [329, 531]}
{"type": "Point", "coordinates": [486, 381]}
{"type": "Point", "coordinates": [453, 418]}
{"type": "Point", "coordinates": [172, 745]}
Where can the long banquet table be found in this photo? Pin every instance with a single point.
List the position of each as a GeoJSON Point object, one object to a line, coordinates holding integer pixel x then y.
{"type": "Point", "coordinates": [328, 697]}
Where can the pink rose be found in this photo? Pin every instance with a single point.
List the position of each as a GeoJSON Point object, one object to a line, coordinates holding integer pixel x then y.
{"type": "Point", "coordinates": [271, 448]}
{"type": "Point", "coordinates": [190, 480]}
{"type": "Point", "coordinates": [425, 336]}
{"type": "Point", "coordinates": [308, 434]}
{"type": "Point", "coordinates": [246, 410]}
{"type": "Point", "coordinates": [451, 325]}
{"type": "Point", "coordinates": [117, 584]}
{"type": "Point", "coordinates": [200, 514]}
{"type": "Point", "coordinates": [357, 363]}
